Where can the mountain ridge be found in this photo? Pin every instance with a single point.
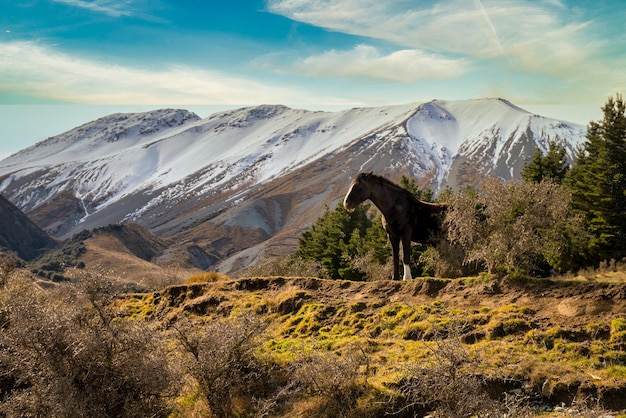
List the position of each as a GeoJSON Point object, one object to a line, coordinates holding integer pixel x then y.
{"type": "Point", "coordinates": [269, 168]}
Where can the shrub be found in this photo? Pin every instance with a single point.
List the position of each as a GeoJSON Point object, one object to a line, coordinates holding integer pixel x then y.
{"type": "Point", "coordinates": [335, 381]}
{"type": "Point", "coordinates": [65, 355]}
{"type": "Point", "coordinates": [442, 386]}
{"type": "Point", "coordinates": [8, 263]}
{"type": "Point", "coordinates": [446, 259]}
{"type": "Point", "coordinates": [446, 387]}
{"type": "Point", "coordinates": [58, 260]}
{"type": "Point", "coordinates": [515, 226]}
{"type": "Point", "coordinates": [221, 358]}
{"type": "Point", "coordinates": [373, 270]}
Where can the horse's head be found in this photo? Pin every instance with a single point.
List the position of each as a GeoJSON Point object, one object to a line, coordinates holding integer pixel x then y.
{"type": "Point", "coordinates": [358, 192]}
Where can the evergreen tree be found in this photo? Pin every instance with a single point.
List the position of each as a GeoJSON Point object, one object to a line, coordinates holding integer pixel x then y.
{"type": "Point", "coordinates": [446, 195]}
{"type": "Point", "coordinates": [533, 171]}
{"type": "Point", "coordinates": [376, 242]}
{"type": "Point", "coordinates": [410, 185]}
{"type": "Point", "coordinates": [338, 238]}
{"type": "Point", "coordinates": [334, 239]}
{"type": "Point", "coordinates": [426, 195]}
{"type": "Point", "coordinates": [598, 182]}
{"type": "Point", "coordinates": [552, 166]}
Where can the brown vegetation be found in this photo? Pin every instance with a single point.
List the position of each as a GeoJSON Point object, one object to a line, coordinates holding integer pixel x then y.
{"type": "Point", "coordinates": [64, 353]}
{"type": "Point", "coordinates": [308, 347]}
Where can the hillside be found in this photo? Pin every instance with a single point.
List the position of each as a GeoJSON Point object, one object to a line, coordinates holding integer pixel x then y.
{"type": "Point", "coordinates": [131, 256]}
{"type": "Point", "coordinates": [20, 235]}
{"type": "Point", "coordinates": [304, 346]}
{"type": "Point", "coordinates": [551, 342]}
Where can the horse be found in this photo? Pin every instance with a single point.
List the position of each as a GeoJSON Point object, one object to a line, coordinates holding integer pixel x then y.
{"type": "Point", "coordinates": [405, 218]}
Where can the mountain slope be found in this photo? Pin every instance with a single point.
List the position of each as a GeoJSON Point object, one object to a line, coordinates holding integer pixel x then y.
{"type": "Point", "coordinates": [20, 234]}
{"type": "Point", "coordinates": [268, 170]}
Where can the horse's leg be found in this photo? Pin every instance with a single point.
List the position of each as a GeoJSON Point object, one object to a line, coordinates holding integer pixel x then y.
{"type": "Point", "coordinates": [406, 256]}
{"type": "Point", "coordinates": [395, 246]}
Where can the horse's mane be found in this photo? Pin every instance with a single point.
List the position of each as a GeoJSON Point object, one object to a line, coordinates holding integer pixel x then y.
{"type": "Point", "coordinates": [384, 181]}
{"type": "Point", "coordinates": [387, 182]}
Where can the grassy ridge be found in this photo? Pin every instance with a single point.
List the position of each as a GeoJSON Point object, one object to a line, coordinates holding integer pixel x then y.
{"type": "Point", "coordinates": [390, 331]}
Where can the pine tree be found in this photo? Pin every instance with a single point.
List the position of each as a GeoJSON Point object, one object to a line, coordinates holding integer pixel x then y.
{"type": "Point", "coordinates": [555, 163]}
{"type": "Point", "coordinates": [552, 166]}
{"type": "Point", "coordinates": [409, 184]}
{"type": "Point", "coordinates": [376, 242]}
{"type": "Point", "coordinates": [598, 182]}
{"type": "Point", "coordinates": [533, 171]}
{"type": "Point", "coordinates": [333, 239]}
{"type": "Point", "coordinates": [338, 238]}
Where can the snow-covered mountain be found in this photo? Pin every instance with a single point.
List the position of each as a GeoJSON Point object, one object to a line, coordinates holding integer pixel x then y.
{"type": "Point", "coordinates": [262, 168]}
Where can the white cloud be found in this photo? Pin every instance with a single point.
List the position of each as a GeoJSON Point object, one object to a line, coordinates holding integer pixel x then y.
{"type": "Point", "coordinates": [41, 72]}
{"type": "Point", "coordinates": [113, 8]}
{"type": "Point", "coordinates": [406, 66]}
{"type": "Point", "coordinates": [479, 29]}
{"type": "Point", "coordinates": [545, 46]}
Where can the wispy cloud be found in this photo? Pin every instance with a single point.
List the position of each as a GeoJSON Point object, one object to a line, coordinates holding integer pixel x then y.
{"type": "Point", "coordinates": [405, 66]}
{"type": "Point", "coordinates": [538, 48]}
{"type": "Point", "coordinates": [511, 29]}
{"type": "Point", "coordinates": [113, 8]}
{"type": "Point", "coordinates": [42, 72]}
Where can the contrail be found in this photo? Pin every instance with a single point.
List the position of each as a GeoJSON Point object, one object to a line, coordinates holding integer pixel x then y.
{"type": "Point", "coordinates": [479, 6]}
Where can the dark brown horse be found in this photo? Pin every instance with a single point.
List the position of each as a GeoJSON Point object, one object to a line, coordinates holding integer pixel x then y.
{"type": "Point", "coordinates": [405, 217]}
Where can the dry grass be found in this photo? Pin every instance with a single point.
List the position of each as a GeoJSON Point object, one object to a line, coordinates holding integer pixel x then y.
{"type": "Point", "coordinates": [208, 277]}
{"type": "Point", "coordinates": [285, 266]}
{"type": "Point", "coordinates": [340, 348]}
{"type": "Point", "coordinates": [106, 257]}
{"type": "Point", "coordinates": [611, 271]}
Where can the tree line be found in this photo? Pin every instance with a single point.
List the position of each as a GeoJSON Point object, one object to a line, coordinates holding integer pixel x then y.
{"type": "Point", "coordinates": [556, 218]}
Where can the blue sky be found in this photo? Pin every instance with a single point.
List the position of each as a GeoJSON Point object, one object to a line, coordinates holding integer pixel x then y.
{"type": "Point", "coordinates": [561, 58]}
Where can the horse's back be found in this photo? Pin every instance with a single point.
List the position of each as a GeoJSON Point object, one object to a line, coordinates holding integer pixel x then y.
{"type": "Point", "coordinates": [427, 219]}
